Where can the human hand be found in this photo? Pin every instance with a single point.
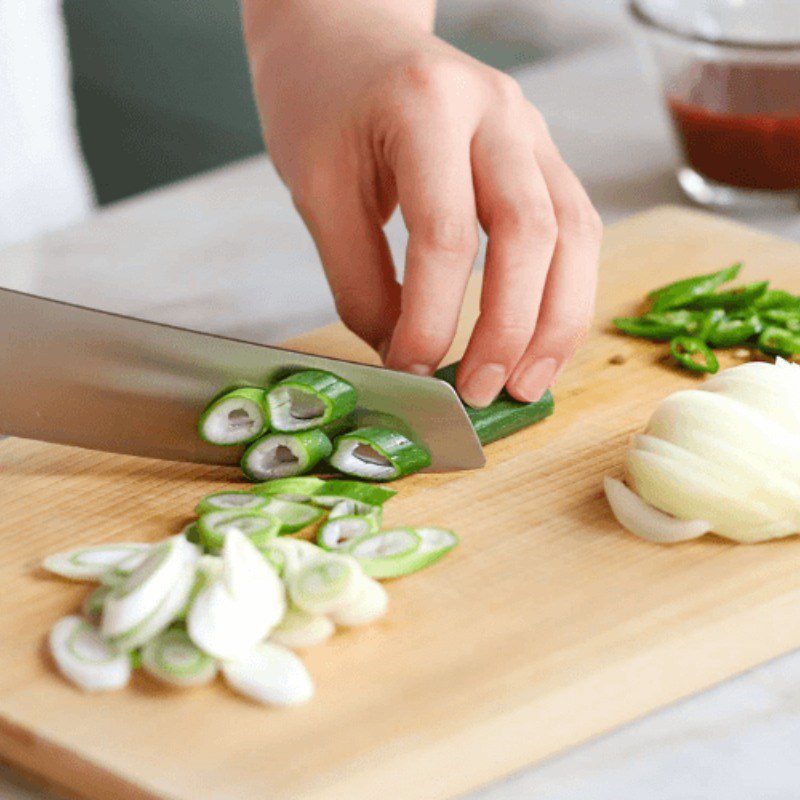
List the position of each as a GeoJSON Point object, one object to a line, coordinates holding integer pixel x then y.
{"type": "Point", "coordinates": [363, 108]}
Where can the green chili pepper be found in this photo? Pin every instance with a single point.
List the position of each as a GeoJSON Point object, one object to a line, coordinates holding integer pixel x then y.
{"type": "Point", "coordinates": [783, 318]}
{"type": "Point", "coordinates": [708, 322]}
{"type": "Point", "coordinates": [777, 298]}
{"type": "Point", "coordinates": [776, 341]}
{"type": "Point", "coordinates": [732, 331]}
{"type": "Point", "coordinates": [660, 327]}
{"type": "Point", "coordinates": [684, 349]}
{"type": "Point", "coordinates": [683, 292]}
{"type": "Point", "coordinates": [734, 299]}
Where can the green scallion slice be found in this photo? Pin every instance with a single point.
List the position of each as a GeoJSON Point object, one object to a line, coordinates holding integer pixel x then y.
{"type": "Point", "coordinates": [85, 658]}
{"type": "Point", "coordinates": [387, 554]}
{"type": "Point", "coordinates": [292, 516]}
{"type": "Point", "coordinates": [93, 604]}
{"type": "Point", "coordinates": [339, 533]}
{"type": "Point", "coordinates": [224, 501]}
{"type": "Point", "coordinates": [173, 658]}
{"type": "Point", "coordinates": [308, 400]}
{"type": "Point", "coordinates": [91, 563]}
{"type": "Point", "coordinates": [237, 417]}
{"type": "Point", "coordinates": [258, 526]}
{"type": "Point", "coordinates": [334, 491]}
{"type": "Point", "coordinates": [285, 455]}
{"type": "Point", "coordinates": [378, 454]}
{"type": "Point", "coordinates": [325, 584]}
{"type": "Point", "coordinates": [297, 490]}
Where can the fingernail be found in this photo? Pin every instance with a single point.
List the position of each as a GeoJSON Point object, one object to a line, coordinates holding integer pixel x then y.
{"type": "Point", "coordinates": [536, 379]}
{"type": "Point", "coordinates": [483, 384]}
{"type": "Point", "coordinates": [419, 369]}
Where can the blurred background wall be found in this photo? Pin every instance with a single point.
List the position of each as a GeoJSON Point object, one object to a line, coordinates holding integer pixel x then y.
{"type": "Point", "coordinates": [162, 90]}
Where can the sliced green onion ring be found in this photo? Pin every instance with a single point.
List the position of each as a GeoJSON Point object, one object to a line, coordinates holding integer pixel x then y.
{"type": "Point", "coordinates": [309, 399]}
{"type": "Point", "coordinates": [299, 629]}
{"type": "Point", "coordinates": [270, 674]}
{"type": "Point", "coordinates": [368, 605]}
{"type": "Point", "coordinates": [378, 454]}
{"type": "Point", "coordinates": [93, 603]}
{"type": "Point", "coordinates": [326, 584]}
{"type": "Point", "coordinates": [387, 554]}
{"type": "Point", "coordinates": [173, 658]}
{"type": "Point", "coordinates": [258, 526]}
{"type": "Point", "coordinates": [237, 417]}
{"type": "Point", "coordinates": [285, 455]}
{"type": "Point", "coordinates": [230, 501]}
{"type": "Point", "coordinates": [334, 491]}
{"type": "Point", "coordinates": [296, 490]}
{"type": "Point", "coordinates": [292, 516]}
{"type": "Point", "coordinates": [91, 563]}
{"type": "Point", "coordinates": [117, 574]}
{"type": "Point", "coordinates": [294, 554]}
{"type": "Point", "coordinates": [85, 658]}
{"type": "Point", "coordinates": [339, 532]}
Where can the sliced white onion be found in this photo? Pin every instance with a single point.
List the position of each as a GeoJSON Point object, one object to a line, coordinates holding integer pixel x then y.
{"type": "Point", "coordinates": [326, 584]}
{"type": "Point", "coordinates": [647, 522]}
{"type": "Point", "coordinates": [270, 674]}
{"type": "Point", "coordinates": [294, 553]}
{"type": "Point", "coordinates": [299, 629]}
{"type": "Point", "coordinates": [90, 563]}
{"type": "Point", "coordinates": [85, 658]}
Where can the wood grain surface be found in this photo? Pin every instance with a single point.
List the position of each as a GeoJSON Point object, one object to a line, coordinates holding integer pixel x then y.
{"type": "Point", "coordinates": [548, 625]}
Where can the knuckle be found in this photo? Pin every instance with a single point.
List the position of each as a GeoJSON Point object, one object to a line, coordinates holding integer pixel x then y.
{"type": "Point", "coordinates": [505, 329]}
{"type": "Point", "coordinates": [505, 89]}
{"type": "Point", "coordinates": [528, 213]}
{"type": "Point", "coordinates": [581, 219]}
{"type": "Point", "coordinates": [448, 233]}
{"type": "Point", "coordinates": [570, 331]}
{"type": "Point", "coordinates": [425, 76]}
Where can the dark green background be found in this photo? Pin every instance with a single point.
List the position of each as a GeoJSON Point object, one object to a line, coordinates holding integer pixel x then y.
{"type": "Point", "coordinates": [162, 88]}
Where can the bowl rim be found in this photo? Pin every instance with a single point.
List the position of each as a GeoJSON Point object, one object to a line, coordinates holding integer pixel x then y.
{"type": "Point", "coordinates": [647, 20]}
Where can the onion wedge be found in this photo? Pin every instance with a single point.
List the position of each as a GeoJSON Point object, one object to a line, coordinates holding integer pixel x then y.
{"type": "Point", "coordinates": [646, 522]}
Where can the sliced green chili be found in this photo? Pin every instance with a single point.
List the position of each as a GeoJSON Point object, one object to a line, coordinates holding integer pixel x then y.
{"type": "Point", "coordinates": [709, 321]}
{"type": "Point", "coordinates": [730, 332]}
{"type": "Point", "coordinates": [309, 399]}
{"type": "Point", "coordinates": [784, 318]}
{"type": "Point", "coordinates": [661, 326]}
{"type": "Point", "coordinates": [685, 350]}
{"type": "Point", "coordinates": [777, 298]}
{"type": "Point", "coordinates": [681, 293]}
{"type": "Point", "coordinates": [776, 341]}
{"type": "Point", "coordinates": [733, 299]}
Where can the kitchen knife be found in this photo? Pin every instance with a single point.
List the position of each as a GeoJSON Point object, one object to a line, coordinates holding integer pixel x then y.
{"type": "Point", "coordinates": [78, 376]}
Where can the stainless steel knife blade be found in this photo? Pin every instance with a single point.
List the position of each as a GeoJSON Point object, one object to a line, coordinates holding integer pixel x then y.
{"type": "Point", "coordinates": [79, 376]}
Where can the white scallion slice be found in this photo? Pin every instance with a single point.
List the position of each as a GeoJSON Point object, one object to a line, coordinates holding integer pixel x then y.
{"type": "Point", "coordinates": [292, 516]}
{"type": "Point", "coordinates": [171, 608]}
{"type": "Point", "coordinates": [387, 554]}
{"type": "Point", "coordinates": [368, 605]}
{"type": "Point", "coordinates": [93, 603]}
{"type": "Point", "coordinates": [341, 532]}
{"type": "Point", "coordinates": [172, 657]}
{"type": "Point", "coordinates": [270, 674]}
{"type": "Point", "coordinates": [140, 594]}
{"type": "Point", "coordinates": [434, 543]}
{"type": "Point", "coordinates": [294, 554]}
{"type": "Point", "coordinates": [326, 584]}
{"type": "Point", "coordinates": [117, 574]}
{"type": "Point", "coordinates": [641, 519]}
{"type": "Point", "coordinates": [85, 658]}
{"type": "Point", "coordinates": [239, 608]}
{"type": "Point", "coordinates": [225, 501]}
{"type": "Point", "coordinates": [300, 629]}
{"type": "Point", "coordinates": [237, 417]}
{"type": "Point", "coordinates": [90, 563]}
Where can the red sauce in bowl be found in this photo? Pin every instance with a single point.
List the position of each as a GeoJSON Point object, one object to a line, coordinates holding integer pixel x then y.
{"type": "Point", "coordinates": [740, 124]}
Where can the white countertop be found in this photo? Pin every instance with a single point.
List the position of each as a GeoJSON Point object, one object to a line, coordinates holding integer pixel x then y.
{"type": "Point", "coordinates": [225, 252]}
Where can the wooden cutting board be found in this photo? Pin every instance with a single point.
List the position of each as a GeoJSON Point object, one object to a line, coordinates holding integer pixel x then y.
{"type": "Point", "coordinates": [547, 626]}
